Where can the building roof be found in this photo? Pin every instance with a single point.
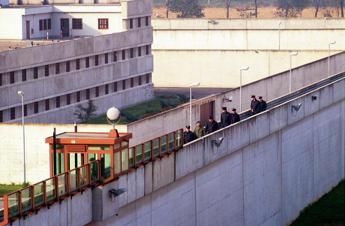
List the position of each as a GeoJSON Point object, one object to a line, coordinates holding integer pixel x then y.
{"type": "Point", "coordinates": [12, 44]}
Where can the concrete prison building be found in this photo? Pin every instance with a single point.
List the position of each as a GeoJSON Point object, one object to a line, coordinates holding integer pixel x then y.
{"type": "Point", "coordinates": [56, 76]}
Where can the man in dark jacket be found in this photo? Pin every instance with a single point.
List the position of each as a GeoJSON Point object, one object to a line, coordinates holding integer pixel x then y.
{"type": "Point", "coordinates": [188, 135]}
{"type": "Point", "coordinates": [254, 105]}
{"type": "Point", "coordinates": [225, 117]}
{"type": "Point", "coordinates": [211, 125]}
{"type": "Point", "coordinates": [262, 105]}
{"type": "Point", "coordinates": [235, 116]}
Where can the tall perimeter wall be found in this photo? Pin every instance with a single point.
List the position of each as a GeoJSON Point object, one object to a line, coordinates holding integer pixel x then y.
{"type": "Point", "coordinates": [266, 170]}
{"type": "Point", "coordinates": [213, 51]}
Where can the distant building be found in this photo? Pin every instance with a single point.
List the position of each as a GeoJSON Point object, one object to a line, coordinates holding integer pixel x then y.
{"type": "Point", "coordinates": [112, 67]}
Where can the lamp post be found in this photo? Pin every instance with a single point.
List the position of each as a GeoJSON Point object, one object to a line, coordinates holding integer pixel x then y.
{"type": "Point", "coordinates": [241, 71]}
{"type": "Point", "coordinates": [280, 23]}
{"type": "Point", "coordinates": [329, 58]}
{"type": "Point", "coordinates": [190, 100]}
{"type": "Point", "coordinates": [290, 74]}
{"type": "Point", "coordinates": [21, 94]}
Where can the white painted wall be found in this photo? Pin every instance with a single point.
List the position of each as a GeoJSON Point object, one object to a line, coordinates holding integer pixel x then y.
{"type": "Point", "coordinates": [9, 17]}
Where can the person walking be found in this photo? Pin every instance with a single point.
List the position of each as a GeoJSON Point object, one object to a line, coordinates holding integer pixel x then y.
{"type": "Point", "coordinates": [188, 135]}
{"type": "Point", "coordinates": [235, 116]}
{"type": "Point", "coordinates": [254, 105]}
{"type": "Point", "coordinates": [225, 117]}
{"type": "Point", "coordinates": [262, 104]}
{"type": "Point", "coordinates": [198, 130]}
{"type": "Point", "coordinates": [211, 125]}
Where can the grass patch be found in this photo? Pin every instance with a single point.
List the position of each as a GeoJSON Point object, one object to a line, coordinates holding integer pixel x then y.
{"type": "Point", "coordinates": [327, 211]}
{"type": "Point", "coordinates": [145, 109]}
{"type": "Point", "coordinates": [7, 188]}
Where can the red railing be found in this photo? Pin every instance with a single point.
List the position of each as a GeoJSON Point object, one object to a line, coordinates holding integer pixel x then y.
{"type": "Point", "coordinates": [34, 197]}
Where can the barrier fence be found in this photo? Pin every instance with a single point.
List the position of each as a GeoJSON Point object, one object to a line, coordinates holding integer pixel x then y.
{"type": "Point", "coordinates": [43, 194]}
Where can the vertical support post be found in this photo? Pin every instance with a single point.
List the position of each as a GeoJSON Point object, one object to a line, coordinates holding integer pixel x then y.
{"type": "Point", "coordinates": [54, 152]}
{"type": "Point", "coordinates": [190, 106]}
{"type": "Point", "coordinates": [6, 213]}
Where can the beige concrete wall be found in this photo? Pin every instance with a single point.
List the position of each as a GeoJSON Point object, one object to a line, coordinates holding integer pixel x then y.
{"type": "Point", "coordinates": [214, 54]}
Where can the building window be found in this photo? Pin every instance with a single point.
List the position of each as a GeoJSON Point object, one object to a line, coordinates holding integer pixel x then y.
{"type": "Point", "coordinates": [36, 107]}
{"type": "Point", "coordinates": [103, 23]}
{"type": "Point", "coordinates": [147, 21]}
{"type": "Point", "coordinates": [45, 24]}
{"type": "Point", "coordinates": [115, 87]}
{"type": "Point", "coordinates": [77, 23]}
{"type": "Point", "coordinates": [13, 113]}
{"type": "Point", "coordinates": [97, 91]}
{"type": "Point", "coordinates": [77, 64]}
{"type": "Point", "coordinates": [78, 96]}
{"type": "Point", "coordinates": [68, 66]}
{"type": "Point", "coordinates": [130, 23]}
{"type": "Point", "coordinates": [57, 68]}
{"type": "Point", "coordinates": [139, 80]}
{"type": "Point", "coordinates": [147, 78]}
{"type": "Point", "coordinates": [96, 60]}
{"type": "Point", "coordinates": [139, 22]}
{"type": "Point", "coordinates": [47, 105]}
{"type": "Point", "coordinates": [35, 72]}
{"type": "Point", "coordinates": [114, 56]}
{"type": "Point", "coordinates": [1, 117]}
{"type": "Point", "coordinates": [123, 84]}
{"type": "Point", "coordinates": [25, 110]}
{"type": "Point", "coordinates": [12, 77]}
{"type": "Point", "coordinates": [24, 75]}
{"type": "Point", "coordinates": [46, 70]}
{"type": "Point", "coordinates": [0, 79]}
{"type": "Point", "coordinates": [68, 99]}
{"type": "Point", "coordinates": [106, 89]}
{"type": "Point", "coordinates": [87, 62]}
{"type": "Point", "coordinates": [88, 94]}
{"type": "Point", "coordinates": [106, 58]}
{"type": "Point", "coordinates": [41, 25]}
{"type": "Point", "coordinates": [49, 24]}
{"type": "Point", "coordinates": [132, 82]}
{"type": "Point", "coordinates": [123, 54]}
{"type": "Point", "coordinates": [147, 50]}
{"type": "Point", "coordinates": [57, 102]}
{"type": "Point", "coordinates": [131, 53]}
{"type": "Point", "coordinates": [139, 51]}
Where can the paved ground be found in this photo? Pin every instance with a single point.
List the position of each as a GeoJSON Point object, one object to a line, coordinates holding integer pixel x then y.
{"type": "Point", "coordinates": [197, 92]}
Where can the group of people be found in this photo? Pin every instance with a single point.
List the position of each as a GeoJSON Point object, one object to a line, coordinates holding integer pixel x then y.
{"type": "Point", "coordinates": [211, 126]}
{"type": "Point", "coordinates": [257, 106]}
{"type": "Point", "coordinates": [226, 119]}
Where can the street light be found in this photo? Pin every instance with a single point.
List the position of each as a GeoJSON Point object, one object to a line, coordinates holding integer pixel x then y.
{"type": "Point", "coordinates": [329, 58]}
{"type": "Point", "coordinates": [290, 74]}
{"type": "Point", "coordinates": [21, 94]}
{"type": "Point", "coordinates": [242, 69]}
{"type": "Point", "coordinates": [280, 23]}
{"type": "Point", "coordinates": [190, 100]}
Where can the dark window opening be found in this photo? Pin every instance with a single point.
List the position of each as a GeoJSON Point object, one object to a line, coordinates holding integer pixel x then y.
{"type": "Point", "coordinates": [147, 50]}
{"type": "Point", "coordinates": [35, 72]}
{"type": "Point", "coordinates": [115, 87]}
{"type": "Point", "coordinates": [1, 117]}
{"type": "Point", "coordinates": [12, 77]}
{"type": "Point", "coordinates": [132, 82]}
{"type": "Point", "coordinates": [139, 22]}
{"type": "Point", "coordinates": [68, 99]}
{"type": "Point", "coordinates": [77, 64]}
{"type": "Point", "coordinates": [77, 23]}
{"type": "Point", "coordinates": [147, 21]}
{"type": "Point", "coordinates": [78, 96]}
{"type": "Point", "coordinates": [123, 54]}
{"type": "Point", "coordinates": [87, 62]}
{"type": "Point", "coordinates": [46, 70]}
{"type": "Point", "coordinates": [45, 24]}
{"type": "Point", "coordinates": [57, 102]}
{"type": "Point", "coordinates": [114, 56]}
{"type": "Point", "coordinates": [36, 107]}
{"type": "Point", "coordinates": [49, 24]}
{"type": "Point", "coordinates": [96, 60]}
{"type": "Point", "coordinates": [131, 53]}
{"type": "Point", "coordinates": [106, 89]}
{"type": "Point", "coordinates": [68, 66]}
{"type": "Point", "coordinates": [139, 80]}
{"type": "Point", "coordinates": [97, 91]}
{"type": "Point", "coordinates": [106, 58]}
{"type": "Point", "coordinates": [13, 113]}
{"type": "Point", "coordinates": [0, 79]}
{"type": "Point", "coordinates": [130, 23]}
{"type": "Point", "coordinates": [24, 75]}
{"type": "Point", "coordinates": [25, 110]}
{"type": "Point", "coordinates": [124, 84]}
{"type": "Point", "coordinates": [139, 51]}
{"type": "Point", "coordinates": [103, 23]}
{"type": "Point", "coordinates": [47, 105]}
{"type": "Point", "coordinates": [57, 68]}
{"type": "Point", "coordinates": [40, 25]}
{"type": "Point", "coordinates": [147, 78]}
{"type": "Point", "coordinates": [88, 94]}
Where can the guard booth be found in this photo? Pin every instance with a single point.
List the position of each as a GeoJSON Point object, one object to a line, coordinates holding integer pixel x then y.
{"type": "Point", "coordinates": [70, 150]}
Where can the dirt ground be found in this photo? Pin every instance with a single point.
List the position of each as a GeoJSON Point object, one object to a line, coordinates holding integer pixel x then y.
{"type": "Point", "coordinates": [236, 13]}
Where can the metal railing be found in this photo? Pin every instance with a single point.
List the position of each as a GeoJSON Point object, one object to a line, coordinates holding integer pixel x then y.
{"type": "Point", "coordinates": [34, 197]}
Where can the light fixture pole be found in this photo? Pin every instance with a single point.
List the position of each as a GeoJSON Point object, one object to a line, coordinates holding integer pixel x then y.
{"type": "Point", "coordinates": [190, 101]}
{"type": "Point", "coordinates": [280, 23]}
{"type": "Point", "coordinates": [290, 74]}
{"type": "Point", "coordinates": [241, 71]}
{"type": "Point", "coordinates": [329, 58]}
{"type": "Point", "coordinates": [21, 94]}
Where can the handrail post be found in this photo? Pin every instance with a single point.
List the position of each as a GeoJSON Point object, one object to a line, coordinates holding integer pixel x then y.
{"type": "Point", "coordinates": [78, 179]}
{"type": "Point", "coordinates": [56, 180]}
{"type": "Point", "coordinates": [6, 211]}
